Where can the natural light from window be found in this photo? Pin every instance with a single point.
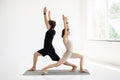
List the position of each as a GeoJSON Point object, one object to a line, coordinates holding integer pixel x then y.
{"type": "Point", "coordinates": [103, 19]}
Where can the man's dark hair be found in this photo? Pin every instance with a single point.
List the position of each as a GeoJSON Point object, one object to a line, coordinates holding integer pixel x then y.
{"type": "Point", "coordinates": [52, 23]}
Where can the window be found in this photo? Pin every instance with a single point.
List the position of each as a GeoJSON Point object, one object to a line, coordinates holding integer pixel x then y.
{"type": "Point", "coordinates": [103, 19]}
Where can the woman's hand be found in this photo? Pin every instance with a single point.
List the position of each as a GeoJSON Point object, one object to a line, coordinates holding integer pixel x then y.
{"type": "Point", "coordinates": [63, 17]}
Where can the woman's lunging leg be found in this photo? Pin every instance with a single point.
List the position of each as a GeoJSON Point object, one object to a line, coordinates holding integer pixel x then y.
{"type": "Point", "coordinates": [61, 61]}
{"type": "Point", "coordinates": [81, 57]}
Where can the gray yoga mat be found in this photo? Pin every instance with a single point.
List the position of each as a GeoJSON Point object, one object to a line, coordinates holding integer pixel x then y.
{"type": "Point", "coordinates": [56, 72]}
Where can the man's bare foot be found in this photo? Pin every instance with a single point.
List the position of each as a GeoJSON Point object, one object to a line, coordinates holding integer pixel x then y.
{"type": "Point", "coordinates": [83, 70]}
{"type": "Point", "coordinates": [73, 69]}
{"type": "Point", "coordinates": [32, 69]}
{"type": "Point", "coordinates": [44, 72]}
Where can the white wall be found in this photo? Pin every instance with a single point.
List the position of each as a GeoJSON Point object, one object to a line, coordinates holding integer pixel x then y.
{"type": "Point", "coordinates": [103, 51]}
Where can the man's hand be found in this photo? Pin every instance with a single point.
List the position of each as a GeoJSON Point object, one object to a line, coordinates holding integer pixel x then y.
{"type": "Point", "coordinates": [45, 10]}
{"type": "Point", "coordinates": [49, 13]}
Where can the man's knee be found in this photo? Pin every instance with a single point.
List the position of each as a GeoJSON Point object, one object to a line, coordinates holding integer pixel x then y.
{"type": "Point", "coordinates": [36, 54]}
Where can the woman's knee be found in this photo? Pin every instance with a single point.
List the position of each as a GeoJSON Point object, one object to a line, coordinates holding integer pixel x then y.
{"type": "Point", "coordinates": [81, 56]}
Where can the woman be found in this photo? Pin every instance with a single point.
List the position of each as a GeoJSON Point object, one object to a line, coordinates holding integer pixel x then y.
{"type": "Point", "coordinates": [68, 53]}
{"type": "Point", "coordinates": [48, 47]}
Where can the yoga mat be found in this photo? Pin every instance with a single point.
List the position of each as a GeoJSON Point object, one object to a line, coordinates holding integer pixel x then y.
{"type": "Point", "coordinates": [56, 72]}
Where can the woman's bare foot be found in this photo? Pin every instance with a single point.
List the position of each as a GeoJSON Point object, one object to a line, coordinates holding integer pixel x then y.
{"type": "Point", "coordinates": [73, 69]}
{"type": "Point", "coordinates": [32, 69]}
{"type": "Point", "coordinates": [44, 72]}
